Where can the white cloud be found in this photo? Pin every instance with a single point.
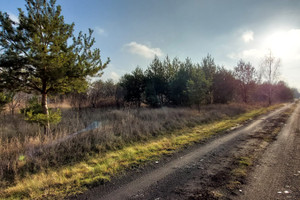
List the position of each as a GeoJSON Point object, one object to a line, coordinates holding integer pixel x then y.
{"type": "Point", "coordinates": [285, 44]}
{"type": "Point", "coordinates": [100, 31]}
{"type": "Point", "coordinates": [143, 50]}
{"type": "Point", "coordinates": [115, 76]}
{"type": "Point", "coordinates": [248, 36]}
{"type": "Point", "coordinates": [248, 54]}
{"type": "Point", "coordinates": [13, 17]}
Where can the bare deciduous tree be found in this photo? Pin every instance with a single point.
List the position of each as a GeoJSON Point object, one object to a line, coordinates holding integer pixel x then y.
{"type": "Point", "coordinates": [270, 73]}
{"type": "Point", "coordinates": [246, 75]}
{"type": "Point", "coordinates": [16, 100]}
{"type": "Point", "coordinates": [102, 93]}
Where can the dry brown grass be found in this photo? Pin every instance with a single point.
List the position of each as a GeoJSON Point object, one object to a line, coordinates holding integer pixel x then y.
{"type": "Point", "coordinates": [25, 149]}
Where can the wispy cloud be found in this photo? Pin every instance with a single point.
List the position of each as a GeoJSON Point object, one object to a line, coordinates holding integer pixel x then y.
{"type": "Point", "coordinates": [143, 50]}
{"type": "Point", "coordinates": [247, 54]}
{"type": "Point", "coordinates": [13, 17]}
{"type": "Point", "coordinates": [100, 31]}
{"type": "Point", "coordinates": [248, 36]}
{"type": "Point", "coordinates": [115, 76]}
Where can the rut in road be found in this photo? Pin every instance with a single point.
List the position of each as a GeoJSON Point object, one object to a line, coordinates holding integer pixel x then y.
{"type": "Point", "coordinates": [179, 178]}
{"type": "Point", "coordinates": [221, 173]}
{"type": "Point", "coordinates": [278, 174]}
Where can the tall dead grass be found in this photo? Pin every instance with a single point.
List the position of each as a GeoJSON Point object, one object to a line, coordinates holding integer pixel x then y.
{"type": "Point", "coordinates": [24, 149]}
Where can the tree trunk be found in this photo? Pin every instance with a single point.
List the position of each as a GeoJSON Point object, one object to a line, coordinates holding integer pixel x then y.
{"type": "Point", "coordinates": [12, 107]}
{"type": "Point", "coordinates": [270, 98]}
{"type": "Point", "coordinates": [245, 96]}
{"type": "Point", "coordinates": [46, 112]}
{"type": "Point", "coordinates": [270, 94]}
{"type": "Point", "coordinates": [13, 111]}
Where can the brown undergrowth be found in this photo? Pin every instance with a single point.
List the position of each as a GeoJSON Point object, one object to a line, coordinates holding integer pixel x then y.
{"type": "Point", "coordinates": [131, 145]}
{"type": "Point", "coordinates": [19, 140]}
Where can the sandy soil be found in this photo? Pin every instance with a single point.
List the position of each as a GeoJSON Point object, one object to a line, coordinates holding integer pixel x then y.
{"type": "Point", "coordinates": [205, 171]}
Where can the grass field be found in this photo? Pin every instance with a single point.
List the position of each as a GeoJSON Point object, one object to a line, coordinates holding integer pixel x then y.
{"type": "Point", "coordinates": [32, 168]}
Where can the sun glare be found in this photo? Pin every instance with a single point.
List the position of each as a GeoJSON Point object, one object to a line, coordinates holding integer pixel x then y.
{"type": "Point", "coordinates": [283, 43]}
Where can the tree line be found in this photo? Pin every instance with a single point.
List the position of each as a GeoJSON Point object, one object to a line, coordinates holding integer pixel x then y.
{"type": "Point", "coordinates": [184, 83]}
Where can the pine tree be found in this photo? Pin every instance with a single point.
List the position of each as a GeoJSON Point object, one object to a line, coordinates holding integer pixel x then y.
{"type": "Point", "coordinates": [209, 68]}
{"type": "Point", "coordinates": [40, 53]}
{"type": "Point", "coordinates": [134, 86]}
{"type": "Point", "coordinates": [197, 87]}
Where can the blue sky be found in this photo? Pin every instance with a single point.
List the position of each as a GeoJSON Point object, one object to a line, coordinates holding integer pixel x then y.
{"type": "Point", "coordinates": [131, 32]}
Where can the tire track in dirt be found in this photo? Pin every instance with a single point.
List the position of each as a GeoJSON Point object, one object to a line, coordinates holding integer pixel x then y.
{"type": "Point", "coordinates": [181, 177]}
{"type": "Point", "coordinates": [277, 175]}
{"type": "Point", "coordinates": [221, 174]}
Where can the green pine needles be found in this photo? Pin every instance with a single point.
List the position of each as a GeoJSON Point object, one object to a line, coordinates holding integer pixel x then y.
{"type": "Point", "coordinates": [34, 113]}
{"type": "Point", "coordinates": [40, 53]}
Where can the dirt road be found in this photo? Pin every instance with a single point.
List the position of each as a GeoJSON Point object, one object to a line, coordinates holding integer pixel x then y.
{"type": "Point", "coordinates": [277, 175]}
{"type": "Point", "coordinates": [217, 169]}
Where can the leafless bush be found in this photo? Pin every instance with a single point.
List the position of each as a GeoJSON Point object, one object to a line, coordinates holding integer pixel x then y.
{"type": "Point", "coordinates": [102, 94]}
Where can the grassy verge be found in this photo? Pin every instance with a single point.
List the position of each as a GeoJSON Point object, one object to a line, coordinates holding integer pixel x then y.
{"type": "Point", "coordinates": [66, 181]}
{"type": "Point", "coordinates": [24, 149]}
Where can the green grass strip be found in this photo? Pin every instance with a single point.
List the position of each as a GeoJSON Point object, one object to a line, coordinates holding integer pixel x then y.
{"type": "Point", "coordinates": [59, 183]}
